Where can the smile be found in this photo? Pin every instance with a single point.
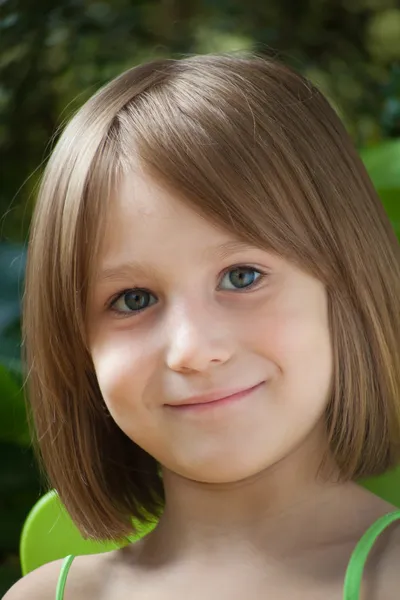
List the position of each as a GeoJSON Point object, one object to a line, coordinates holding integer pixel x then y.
{"type": "Point", "coordinates": [213, 404]}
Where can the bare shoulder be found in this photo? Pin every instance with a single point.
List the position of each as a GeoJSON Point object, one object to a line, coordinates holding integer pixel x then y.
{"type": "Point", "coordinates": [84, 580]}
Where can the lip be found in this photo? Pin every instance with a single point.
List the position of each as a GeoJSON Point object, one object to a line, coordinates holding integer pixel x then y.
{"type": "Point", "coordinates": [214, 398]}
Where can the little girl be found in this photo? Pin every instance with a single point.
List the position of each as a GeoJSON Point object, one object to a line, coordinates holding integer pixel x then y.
{"type": "Point", "coordinates": [212, 336]}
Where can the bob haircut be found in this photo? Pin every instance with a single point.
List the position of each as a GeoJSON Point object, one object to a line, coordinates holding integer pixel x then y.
{"type": "Point", "coordinates": [258, 150]}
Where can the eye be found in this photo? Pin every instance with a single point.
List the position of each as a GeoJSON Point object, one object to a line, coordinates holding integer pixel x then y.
{"type": "Point", "coordinates": [241, 278]}
{"type": "Point", "coordinates": [132, 301]}
{"type": "Point", "coordinates": [136, 300]}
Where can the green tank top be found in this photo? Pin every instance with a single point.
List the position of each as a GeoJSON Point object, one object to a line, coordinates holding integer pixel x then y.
{"type": "Point", "coordinates": [354, 572]}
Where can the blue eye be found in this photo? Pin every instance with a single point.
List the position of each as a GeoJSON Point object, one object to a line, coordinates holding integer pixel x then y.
{"type": "Point", "coordinates": [241, 278]}
{"type": "Point", "coordinates": [133, 301]}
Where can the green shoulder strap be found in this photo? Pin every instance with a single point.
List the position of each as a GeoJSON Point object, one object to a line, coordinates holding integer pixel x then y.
{"type": "Point", "coordinates": [355, 568]}
{"type": "Point", "coordinates": [63, 577]}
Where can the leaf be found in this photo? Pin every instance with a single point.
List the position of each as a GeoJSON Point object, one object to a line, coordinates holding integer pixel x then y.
{"type": "Point", "coordinates": [12, 267]}
{"type": "Point", "coordinates": [20, 489]}
{"type": "Point", "coordinates": [391, 201]}
{"type": "Point", "coordinates": [13, 416]}
{"type": "Point", "coordinates": [383, 164]}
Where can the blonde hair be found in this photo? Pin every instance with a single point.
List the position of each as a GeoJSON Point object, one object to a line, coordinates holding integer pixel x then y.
{"type": "Point", "coordinates": [256, 148]}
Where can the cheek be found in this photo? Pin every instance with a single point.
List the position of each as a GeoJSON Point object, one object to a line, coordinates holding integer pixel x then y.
{"type": "Point", "coordinates": [122, 371]}
{"type": "Point", "coordinates": [124, 375]}
{"type": "Point", "coordinates": [298, 343]}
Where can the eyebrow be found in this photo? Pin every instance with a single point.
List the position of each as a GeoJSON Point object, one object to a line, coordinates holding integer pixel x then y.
{"type": "Point", "coordinates": [127, 269]}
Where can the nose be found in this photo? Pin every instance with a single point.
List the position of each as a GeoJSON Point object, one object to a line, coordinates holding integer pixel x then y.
{"type": "Point", "coordinates": [197, 340]}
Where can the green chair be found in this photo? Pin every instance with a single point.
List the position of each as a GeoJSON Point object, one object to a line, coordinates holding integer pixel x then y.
{"type": "Point", "coordinates": [49, 533]}
{"type": "Point", "coordinates": [386, 486]}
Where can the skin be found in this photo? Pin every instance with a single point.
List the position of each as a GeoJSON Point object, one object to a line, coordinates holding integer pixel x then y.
{"type": "Point", "coordinates": [249, 514]}
{"type": "Point", "coordinates": [200, 333]}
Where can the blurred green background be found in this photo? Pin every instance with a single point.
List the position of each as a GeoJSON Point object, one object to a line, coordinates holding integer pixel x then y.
{"type": "Point", "coordinates": [55, 54]}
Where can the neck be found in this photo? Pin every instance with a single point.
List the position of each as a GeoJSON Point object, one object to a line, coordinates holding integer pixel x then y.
{"type": "Point", "coordinates": [275, 504]}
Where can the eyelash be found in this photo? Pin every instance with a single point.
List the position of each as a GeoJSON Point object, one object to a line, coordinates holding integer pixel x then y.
{"type": "Point", "coordinates": [111, 304]}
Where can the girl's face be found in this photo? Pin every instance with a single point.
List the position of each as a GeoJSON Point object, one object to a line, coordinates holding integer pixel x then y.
{"type": "Point", "coordinates": [182, 309]}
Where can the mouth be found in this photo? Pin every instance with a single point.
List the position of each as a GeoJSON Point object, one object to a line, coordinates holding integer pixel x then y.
{"type": "Point", "coordinates": [204, 404]}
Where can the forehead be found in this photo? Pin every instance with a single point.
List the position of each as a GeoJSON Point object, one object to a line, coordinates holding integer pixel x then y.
{"type": "Point", "coordinates": [143, 215]}
{"type": "Point", "coordinates": [150, 229]}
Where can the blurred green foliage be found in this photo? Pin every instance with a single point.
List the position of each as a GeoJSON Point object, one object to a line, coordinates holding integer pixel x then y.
{"type": "Point", "coordinates": [54, 55]}
{"type": "Point", "coordinates": [382, 162]}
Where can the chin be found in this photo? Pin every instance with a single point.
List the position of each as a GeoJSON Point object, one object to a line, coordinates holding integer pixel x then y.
{"type": "Point", "coordinates": [215, 472]}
